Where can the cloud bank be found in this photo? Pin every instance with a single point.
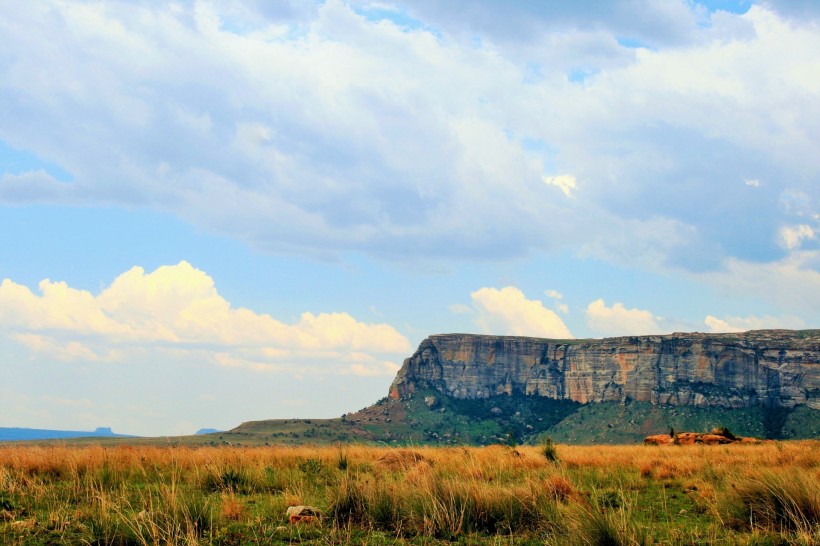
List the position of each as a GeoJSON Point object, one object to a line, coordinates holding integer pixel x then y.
{"type": "Point", "coordinates": [422, 130]}
{"type": "Point", "coordinates": [176, 311]}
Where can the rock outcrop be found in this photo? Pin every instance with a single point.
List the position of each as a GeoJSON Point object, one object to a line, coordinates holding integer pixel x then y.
{"type": "Point", "coordinates": [771, 368]}
{"type": "Point", "coordinates": [714, 438]}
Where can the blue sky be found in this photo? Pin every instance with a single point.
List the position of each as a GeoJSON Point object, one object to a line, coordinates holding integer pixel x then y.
{"type": "Point", "coordinates": [211, 214]}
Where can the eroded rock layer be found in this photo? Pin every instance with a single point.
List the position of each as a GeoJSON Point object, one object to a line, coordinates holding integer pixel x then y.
{"type": "Point", "coordinates": [774, 368]}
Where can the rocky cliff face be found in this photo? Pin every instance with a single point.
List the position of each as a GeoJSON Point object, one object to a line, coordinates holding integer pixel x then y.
{"type": "Point", "coordinates": [773, 368]}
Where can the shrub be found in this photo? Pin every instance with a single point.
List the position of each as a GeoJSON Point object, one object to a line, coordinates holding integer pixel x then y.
{"type": "Point", "coordinates": [311, 466]}
{"type": "Point", "coordinates": [725, 432]}
{"type": "Point", "coordinates": [226, 480]}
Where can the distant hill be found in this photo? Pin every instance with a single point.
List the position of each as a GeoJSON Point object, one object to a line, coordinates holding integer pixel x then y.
{"type": "Point", "coordinates": [28, 434]}
{"type": "Point", "coordinates": [206, 431]}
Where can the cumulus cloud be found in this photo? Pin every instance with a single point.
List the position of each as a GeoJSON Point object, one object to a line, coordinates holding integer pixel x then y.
{"type": "Point", "coordinates": [743, 324]}
{"type": "Point", "coordinates": [177, 310]}
{"type": "Point", "coordinates": [620, 321]}
{"type": "Point", "coordinates": [508, 312]}
{"type": "Point", "coordinates": [326, 128]}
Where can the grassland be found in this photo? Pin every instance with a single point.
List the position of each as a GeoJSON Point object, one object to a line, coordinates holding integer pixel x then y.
{"type": "Point", "coordinates": [146, 495]}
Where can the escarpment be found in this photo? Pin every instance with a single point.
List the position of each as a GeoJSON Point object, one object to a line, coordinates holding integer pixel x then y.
{"type": "Point", "coordinates": [771, 368]}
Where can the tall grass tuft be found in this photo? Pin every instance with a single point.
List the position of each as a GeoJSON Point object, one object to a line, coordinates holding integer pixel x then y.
{"type": "Point", "coordinates": [548, 449]}
{"type": "Point", "coordinates": [610, 522]}
{"type": "Point", "coordinates": [777, 502]}
{"type": "Point", "coordinates": [349, 503]}
{"type": "Point", "coordinates": [343, 462]}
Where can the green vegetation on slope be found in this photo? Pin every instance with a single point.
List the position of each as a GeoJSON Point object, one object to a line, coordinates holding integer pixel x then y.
{"type": "Point", "coordinates": [430, 418]}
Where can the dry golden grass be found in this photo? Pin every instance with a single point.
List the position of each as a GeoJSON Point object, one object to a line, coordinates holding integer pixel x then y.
{"type": "Point", "coordinates": [154, 495]}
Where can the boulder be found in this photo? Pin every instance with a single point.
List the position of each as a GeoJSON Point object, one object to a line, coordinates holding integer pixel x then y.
{"type": "Point", "coordinates": [303, 514]}
{"type": "Point", "coordinates": [714, 439]}
{"type": "Point", "coordinates": [659, 440]}
{"type": "Point", "coordinates": [692, 438]}
{"type": "Point", "coordinates": [687, 438]}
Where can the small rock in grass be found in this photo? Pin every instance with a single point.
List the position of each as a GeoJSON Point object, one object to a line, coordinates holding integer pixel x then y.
{"type": "Point", "coordinates": [303, 514]}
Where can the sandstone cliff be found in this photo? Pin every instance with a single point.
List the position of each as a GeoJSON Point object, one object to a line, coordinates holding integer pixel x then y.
{"type": "Point", "coordinates": [772, 368]}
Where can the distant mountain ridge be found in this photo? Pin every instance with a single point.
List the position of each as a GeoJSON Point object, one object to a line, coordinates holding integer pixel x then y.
{"type": "Point", "coordinates": [14, 434]}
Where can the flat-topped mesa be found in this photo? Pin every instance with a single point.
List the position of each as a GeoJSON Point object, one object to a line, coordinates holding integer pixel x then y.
{"type": "Point", "coordinates": [772, 368]}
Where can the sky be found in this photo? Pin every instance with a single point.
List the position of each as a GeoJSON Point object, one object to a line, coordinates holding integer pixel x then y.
{"type": "Point", "coordinates": [214, 212]}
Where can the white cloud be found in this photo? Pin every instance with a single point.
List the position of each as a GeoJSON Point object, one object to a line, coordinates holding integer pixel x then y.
{"type": "Point", "coordinates": [558, 296]}
{"type": "Point", "coordinates": [791, 237]}
{"type": "Point", "coordinates": [620, 321]}
{"type": "Point", "coordinates": [509, 312]}
{"type": "Point", "coordinates": [743, 324]}
{"type": "Point", "coordinates": [752, 182]}
{"type": "Point", "coordinates": [565, 182]}
{"type": "Point", "coordinates": [177, 309]}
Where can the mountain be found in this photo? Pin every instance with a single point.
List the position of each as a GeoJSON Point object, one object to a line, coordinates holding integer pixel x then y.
{"type": "Point", "coordinates": [464, 388]}
{"type": "Point", "coordinates": [768, 368]}
{"type": "Point", "coordinates": [27, 434]}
